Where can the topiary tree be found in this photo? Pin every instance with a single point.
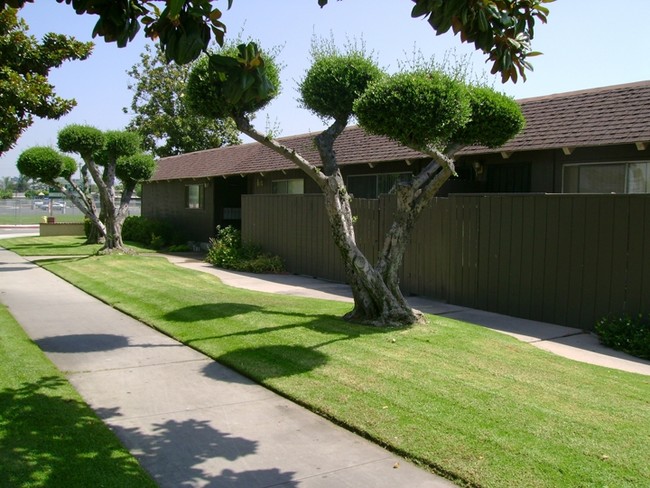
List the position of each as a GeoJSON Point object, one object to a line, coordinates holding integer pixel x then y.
{"type": "Point", "coordinates": [428, 111]}
{"type": "Point", "coordinates": [106, 156]}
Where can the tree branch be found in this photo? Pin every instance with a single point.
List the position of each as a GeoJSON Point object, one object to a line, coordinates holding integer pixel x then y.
{"type": "Point", "coordinates": [313, 171]}
{"type": "Point", "coordinates": [325, 144]}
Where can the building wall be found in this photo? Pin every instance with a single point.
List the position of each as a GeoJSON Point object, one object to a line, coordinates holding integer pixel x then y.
{"type": "Point", "coordinates": [546, 166]}
{"type": "Point", "coordinates": [166, 201]}
{"type": "Point", "coordinates": [524, 172]}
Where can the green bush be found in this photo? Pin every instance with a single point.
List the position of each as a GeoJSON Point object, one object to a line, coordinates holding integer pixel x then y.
{"type": "Point", "coordinates": [627, 334]}
{"type": "Point", "coordinates": [88, 225]}
{"type": "Point", "coordinates": [179, 248]}
{"type": "Point", "coordinates": [153, 233]}
{"type": "Point", "coordinates": [227, 251]}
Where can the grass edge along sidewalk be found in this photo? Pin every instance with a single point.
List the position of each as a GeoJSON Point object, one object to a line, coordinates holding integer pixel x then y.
{"type": "Point", "coordinates": [48, 435]}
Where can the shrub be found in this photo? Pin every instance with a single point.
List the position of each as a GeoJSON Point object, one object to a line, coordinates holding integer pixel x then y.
{"type": "Point", "coordinates": [179, 248]}
{"type": "Point", "coordinates": [88, 225]}
{"type": "Point", "coordinates": [627, 334]}
{"type": "Point", "coordinates": [227, 251]}
{"type": "Point", "coordinates": [154, 233]}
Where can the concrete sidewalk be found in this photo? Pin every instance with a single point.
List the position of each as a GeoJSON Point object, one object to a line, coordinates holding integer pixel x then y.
{"type": "Point", "coordinates": [568, 342]}
{"type": "Point", "coordinates": [190, 421]}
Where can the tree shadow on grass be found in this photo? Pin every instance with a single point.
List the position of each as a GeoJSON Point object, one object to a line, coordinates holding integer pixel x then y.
{"type": "Point", "coordinates": [51, 440]}
{"type": "Point", "coordinates": [321, 323]}
{"type": "Point", "coordinates": [210, 311]}
{"type": "Point", "coordinates": [265, 362]}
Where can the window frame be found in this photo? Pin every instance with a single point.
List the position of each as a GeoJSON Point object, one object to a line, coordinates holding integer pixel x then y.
{"type": "Point", "coordinates": [626, 178]}
{"type": "Point", "coordinates": [199, 203]}
{"type": "Point", "coordinates": [377, 175]}
{"type": "Point", "coordinates": [288, 181]}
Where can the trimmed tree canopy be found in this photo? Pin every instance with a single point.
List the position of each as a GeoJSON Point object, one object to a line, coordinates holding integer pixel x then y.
{"type": "Point", "coordinates": [333, 83]}
{"type": "Point", "coordinates": [118, 143]}
{"type": "Point", "coordinates": [417, 109]}
{"type": "Point", "coordinates": [496, 118]}
{"type": "Point", "coordinates": [430, 109]}
{"type": "Point", "coordinates": [69, 166]}
{"type": "Point", "coordinates": [137, 167]}
{"type": "Point", "coordinates": [84, 140]}
{"type": "Point", "coordinates": [41, 163]}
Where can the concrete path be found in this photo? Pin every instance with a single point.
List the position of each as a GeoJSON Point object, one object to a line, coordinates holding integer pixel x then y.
{"type": "Point", "coordinates": [190, 421]}
{"type": "Point", "coordinates": [569, 342]}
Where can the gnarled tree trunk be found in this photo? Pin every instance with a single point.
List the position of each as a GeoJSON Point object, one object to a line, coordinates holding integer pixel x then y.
{"type": "Point", "coordinates": [378, 299]}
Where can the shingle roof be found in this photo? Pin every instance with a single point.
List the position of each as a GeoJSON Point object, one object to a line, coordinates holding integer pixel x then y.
{"type": "Point", "coordinates": [353, 146]}
{"type": "Point", "coordinates": [618, 114]}
{"type": "Point", "coordinates": [604, 116]}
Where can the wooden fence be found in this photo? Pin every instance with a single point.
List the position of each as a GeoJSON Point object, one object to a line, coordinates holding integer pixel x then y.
{"type": "Point", "coordinates": [564, 259]}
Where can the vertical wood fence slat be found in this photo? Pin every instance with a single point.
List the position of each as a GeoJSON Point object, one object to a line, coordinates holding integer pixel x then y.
{"type": "Point", "coordinates": [574, 299]}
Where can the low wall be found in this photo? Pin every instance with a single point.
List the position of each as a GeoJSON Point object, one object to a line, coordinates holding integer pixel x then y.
{"type": "Point", "coordinates": [62, 229]}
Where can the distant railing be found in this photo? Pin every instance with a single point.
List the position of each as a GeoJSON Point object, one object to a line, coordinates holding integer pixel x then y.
{"type": "Point", "coordinates": [21, 211]}
{"type": "Point", "coordinates": [564, 259]}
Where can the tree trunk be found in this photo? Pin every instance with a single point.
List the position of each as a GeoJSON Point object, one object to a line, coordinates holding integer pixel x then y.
{"type": "Point", "coordinates": [94, 235]}
{"type": "Point", "coordinates": [378, 299]}
{"type": "Point", "coordinates": [113, 240]}
{"type": "Point", "coordinates": [375, 302]}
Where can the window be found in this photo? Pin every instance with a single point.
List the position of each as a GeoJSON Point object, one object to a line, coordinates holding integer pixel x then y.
{"type": "Point", "coordinates": [371, 186]}
{"type": "Point", "coordinates": [194, 196]}
{"type": "Point", "coordinates": [607, 178]}
{"type": "Point", "coordinates": [291, 187]}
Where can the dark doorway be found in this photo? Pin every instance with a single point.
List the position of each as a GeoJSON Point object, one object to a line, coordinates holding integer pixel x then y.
{"type": "Point", "coordinates": [227, 200]}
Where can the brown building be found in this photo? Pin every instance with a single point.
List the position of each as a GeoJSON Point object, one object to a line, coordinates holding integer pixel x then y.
{"type": "Point", "coordinates": [590, 141]}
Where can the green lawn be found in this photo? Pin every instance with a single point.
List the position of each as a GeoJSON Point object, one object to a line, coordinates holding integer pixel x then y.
{"type": "Point", "coordinates": [475, 405]}
{"type": "Point", "coordinates": [48, 436]}
{"type": "Point", "coordinates": [57, 246]}
{"type": "Point", "coordinates": [22, 219]}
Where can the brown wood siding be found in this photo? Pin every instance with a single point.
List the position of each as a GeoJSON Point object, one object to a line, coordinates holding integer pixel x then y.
{"type": "Point", "coordinates": [564, 259]}
{"type": "Point", "coordinates": [166, 201]}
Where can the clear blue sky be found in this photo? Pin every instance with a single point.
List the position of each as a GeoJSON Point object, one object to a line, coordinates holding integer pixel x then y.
{"type": "Point", "coordinates": [586, 44]}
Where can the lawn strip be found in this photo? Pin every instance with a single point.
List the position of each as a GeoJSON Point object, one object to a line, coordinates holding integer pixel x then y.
{"type": "Point", "coordinates": [459, 398]}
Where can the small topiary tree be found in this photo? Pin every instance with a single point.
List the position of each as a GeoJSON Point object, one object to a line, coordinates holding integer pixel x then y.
{"type": "Point", "coordinates": [106, 156]}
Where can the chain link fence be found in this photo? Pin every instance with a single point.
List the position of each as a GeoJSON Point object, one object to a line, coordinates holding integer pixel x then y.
{"type": "Point", "coordinates": [25, 211]}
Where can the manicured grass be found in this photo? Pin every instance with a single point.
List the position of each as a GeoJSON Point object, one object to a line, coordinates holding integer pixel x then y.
{"type": "Point", "coordinates": [37, 219]}
{"type": "Point", "coordinates": [56, 246]}
{"type": "Point", "coordinates": [475, 405]}
{"type": "Point", "coordinates": [48, 436]}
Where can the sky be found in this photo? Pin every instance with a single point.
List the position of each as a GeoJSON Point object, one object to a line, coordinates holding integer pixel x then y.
{"type": "Point", "coordinates": [585, 44]}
